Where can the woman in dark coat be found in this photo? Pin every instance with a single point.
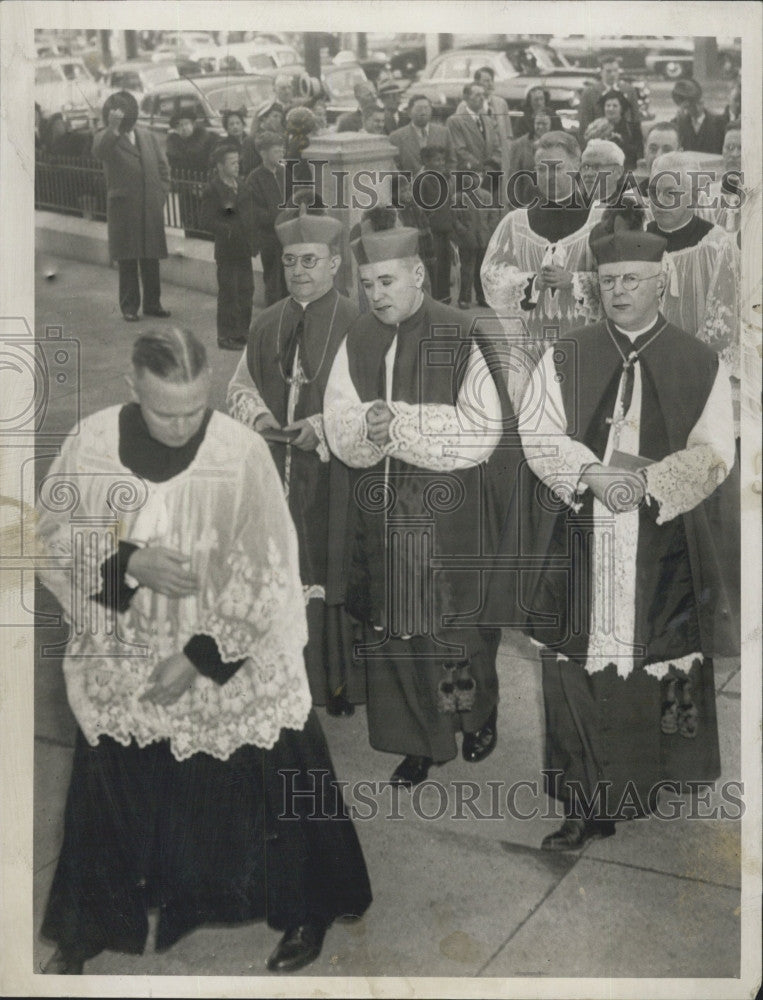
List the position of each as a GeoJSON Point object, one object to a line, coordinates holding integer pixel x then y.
{"type": "Point", "coordinates": [137, 182]}
{"type": "Point", "coordinates": [234, 123]}
{"type": "Point", "coordinates": [189, 144]}
{"type": "Point", "coordinates": [616, 108]}
{"type": "Point", "coordinates": [538, 99]}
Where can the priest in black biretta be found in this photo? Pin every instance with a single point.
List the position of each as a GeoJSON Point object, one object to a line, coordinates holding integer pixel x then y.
{"type": "Point", "coordinates": [621, 549]}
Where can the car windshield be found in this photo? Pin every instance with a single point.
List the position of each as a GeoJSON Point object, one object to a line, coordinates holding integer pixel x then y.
{"type": "Point", "coordinates": [47, 74]}
{"type": "Point", "coordinates": [247, 94]}
{"type": "Point", "coordinates": [340, 82]}
{"type": "Point", "coordinates": [126, 81]}
{"type": "Point", "coordinates": [75, 71]}
{"type": "Point", "coordinates": [154, 75]}
{"type": "Point", "coordinates": [258, 61]}
{"type": "Point", "coordinates": [534, 59]}
{"type": "Point", "coordinates": [285, 57]}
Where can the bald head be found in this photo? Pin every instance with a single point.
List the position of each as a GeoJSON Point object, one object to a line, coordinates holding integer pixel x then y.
{"type": "Point", "coordinates": [673, 188]}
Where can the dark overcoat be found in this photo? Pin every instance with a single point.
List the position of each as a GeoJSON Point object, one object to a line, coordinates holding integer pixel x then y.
{"type": "Point", "coordinates": [137, 182]}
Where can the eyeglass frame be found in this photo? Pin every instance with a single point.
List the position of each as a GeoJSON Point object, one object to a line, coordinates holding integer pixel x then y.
{"type": "Point", "coordinates": [630, 287]}
{"type": "Point", "coordinates": [290, 260]}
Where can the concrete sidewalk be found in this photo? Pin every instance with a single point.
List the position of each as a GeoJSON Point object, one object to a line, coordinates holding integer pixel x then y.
{"type": "Point", "coordinates": [453, 896]}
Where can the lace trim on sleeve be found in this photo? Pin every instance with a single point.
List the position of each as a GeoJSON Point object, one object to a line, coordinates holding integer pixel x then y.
{"type": "Point", "coordinates": [684, 479]}
{"type": "Point", "coordinates": [424, 435]}
{"type": "Point", "coordinates": [316, 422]}
{"type": "Point", "coordinates": [245, 406]}
{"type": "Point", "coordinates": [349, 435]}
{"type": "Point", "coordinates": [585, 290]}
{"type": "Point", "coordinates": [559, 462]}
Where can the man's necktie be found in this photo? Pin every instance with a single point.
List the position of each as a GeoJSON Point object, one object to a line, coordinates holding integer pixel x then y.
{"type": "Point", "coordinates": [481, 125]}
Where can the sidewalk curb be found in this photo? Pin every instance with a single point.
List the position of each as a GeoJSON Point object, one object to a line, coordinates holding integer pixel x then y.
{"type": "Point", "coordinates": [191, 263]}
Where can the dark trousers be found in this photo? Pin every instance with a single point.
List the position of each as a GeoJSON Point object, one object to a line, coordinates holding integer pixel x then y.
{"type": "Point", "coordinates": [441, 268]}
{"type": "Point", "coordinates": [235, 291]}
{"type": "Point", "coordinates": [272, 272]}
{"type": "Point", "coordinates": [129, 287]}
{"type": "Point", "coordinates": [404, 714]}
{"type": "Point", "coordinates": [603, 736]}
{"type": "Point", "coordinates": [471, 262]}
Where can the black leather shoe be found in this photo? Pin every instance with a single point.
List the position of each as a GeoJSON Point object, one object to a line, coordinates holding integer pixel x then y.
{"type": "Point", "coordinates": [477, 746]}
{"type": "Point", "coordinates": [229, 344]}
{"type": "Point", "coordinates": [574, 834]}
{"type": "Point", "coordinates": [298, 948]}
{"type": "Point", "coordinates": [411, 771]}
{"type": "Point", "coordinates": [130, 317]}
{"type": "Point", "coordinates": [161, 313]}
{"type": "Point", "coordinates": [60, 964]}
{"type": "Point", "coordinates": [337, 704]}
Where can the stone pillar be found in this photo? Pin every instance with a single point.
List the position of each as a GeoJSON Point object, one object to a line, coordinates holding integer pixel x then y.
{"type": "Point", "coordinates": [349, 172]}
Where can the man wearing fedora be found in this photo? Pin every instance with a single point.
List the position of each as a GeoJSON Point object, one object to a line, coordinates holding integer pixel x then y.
{"type": "Point", "coordinates": [137, 182]}
{"type": "Point", "coordinates": [699, 130]}
{"type": "Point", "coordinates": [389, 95]}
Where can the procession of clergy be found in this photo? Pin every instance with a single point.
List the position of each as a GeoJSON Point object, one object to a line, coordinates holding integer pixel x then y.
{"type": "Point", "coordinates": [390, 490]}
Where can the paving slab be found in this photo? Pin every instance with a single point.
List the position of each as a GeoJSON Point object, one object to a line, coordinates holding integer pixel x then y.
{"type": "Point", "coordinates": [499, 808]}
{"type": "Point", "coordinates": [724, 668]}
{"type": "Point", "coordinates": [616, 922]}
{"type": "Point", "coordinates": [707, 850]}
{"type": "Point", "coordinates": [96, 322]}
{"type": "Point", "coordinates": [733, 685]}
{"type": "Point", "coordinates": [443, 906]}
{"type": "Point", "coordinates": [729, 739]}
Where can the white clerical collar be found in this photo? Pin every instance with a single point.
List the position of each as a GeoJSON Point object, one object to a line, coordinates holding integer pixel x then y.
{"type": "Point", "coordinates": [635, 334]}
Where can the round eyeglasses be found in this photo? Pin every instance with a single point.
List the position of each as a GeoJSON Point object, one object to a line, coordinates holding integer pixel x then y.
{"type": "Point", "coordinates": [307, 260]}
{"type": "Point", "coordinates": [630, 281]}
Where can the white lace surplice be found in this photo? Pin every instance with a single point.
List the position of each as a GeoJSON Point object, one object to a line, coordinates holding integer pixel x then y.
{"type": "Point", "coordinates": [678, 483]}
{"type": "Point", "coordinates": [514, 255]}
{"type": "Point", "coordinates": [227, 512]}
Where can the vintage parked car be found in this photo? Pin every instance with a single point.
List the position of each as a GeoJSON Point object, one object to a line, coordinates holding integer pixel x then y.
{"type": "Point", "coordinates": [64, 83]}
{"type": "Point", "coordinates": [207, 95]}
{"type": "Point", "coordinates": [255, 57]}
{"type": "Point", "coordinates": [405, 53]}
{"type": "Point", "coordinates": [519, 66]}
{"type": "Point", "coordinates": [338, 81]}
{"type": "Point", "coordinates": [138, 76]}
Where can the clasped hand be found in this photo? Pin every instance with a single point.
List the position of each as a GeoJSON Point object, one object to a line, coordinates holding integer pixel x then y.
{"type": "Point", "coordinates": [164, 570]}
{"type": "Point", "coordinates": [620, 490]}
{"type": "Point", "coordinates": [307, 439]}
{"type": "Point", "coordinates": [553, 276]}
{"type": "Point", "coordinates": [378, 419]}
{"type": "Point", "coordinates": [170, 679]}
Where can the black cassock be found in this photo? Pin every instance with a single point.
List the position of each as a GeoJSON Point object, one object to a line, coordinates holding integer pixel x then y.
{"type": "Point", "coordinates": [288, 341]}
{"type": "Point", "coordinates": [603, 724]}
{"type": "Point", "coordinates": [202, 840]}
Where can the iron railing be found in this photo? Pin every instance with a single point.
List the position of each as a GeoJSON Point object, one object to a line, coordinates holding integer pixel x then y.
{"type": "Point", "coordinates": [77, 186]}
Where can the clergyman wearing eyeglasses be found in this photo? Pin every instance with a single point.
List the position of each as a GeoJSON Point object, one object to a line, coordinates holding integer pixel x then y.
{"type": "Point", "coordinates": [633, 589]}
{"type": "Point", "coordinates": [278, 390]}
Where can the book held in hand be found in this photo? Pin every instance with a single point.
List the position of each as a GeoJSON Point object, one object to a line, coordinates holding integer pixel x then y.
{"type": "Point", "coordinates": [625, 460]}
{"type": "Point", "coordinates": [279, 436]}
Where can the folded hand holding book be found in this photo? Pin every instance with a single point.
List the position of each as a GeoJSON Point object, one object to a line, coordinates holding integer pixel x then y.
{"type": "Point", "coordinates": [625, 460]}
